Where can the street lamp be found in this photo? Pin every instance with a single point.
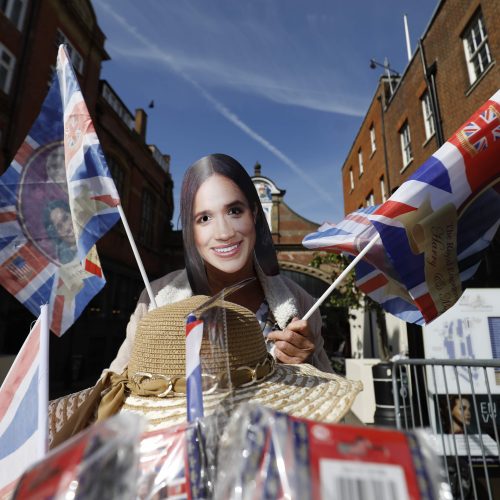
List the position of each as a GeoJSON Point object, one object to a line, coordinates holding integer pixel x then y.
{"type": "Point", "coordinates": [388, 70]}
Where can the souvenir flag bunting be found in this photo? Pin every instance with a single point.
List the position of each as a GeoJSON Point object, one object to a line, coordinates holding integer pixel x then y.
{"type": "Point", "coordinates": [23, 407]}
{"type": "Point", "coordinates": [57, 198]}
{"type": "Point", "coordinates": [434, 229]}
{"type": "Point", "coordinates": [194, 390]}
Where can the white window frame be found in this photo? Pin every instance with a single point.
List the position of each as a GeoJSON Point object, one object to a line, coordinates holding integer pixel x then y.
{"type": "Point", "coordinates": [430, 128]}
{"type": "Point", "coordinates": [383, 194]}
{"type": "Point", "coordinates": [370, 200]}
{"type": "Point", "coordinates": [475, 40]}
{"type": "Point", "coordinates": [8, 66]}
{"type": "Point", "coordinates": [406, 150]}
{"type": "Point", "coordinates": [372, 139]}
{"type": "Point", "coordinates": [9, 12]}
{"type": "Point", "coordinates": [351, 178]}
{"type": "Point", "coordinates": [360, 162]}
{"type": "Point", "coordinates": [75, 56]}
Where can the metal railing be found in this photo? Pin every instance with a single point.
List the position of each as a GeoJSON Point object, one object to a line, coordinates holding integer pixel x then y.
{"type": "Point", "coordinates": [457, 401]}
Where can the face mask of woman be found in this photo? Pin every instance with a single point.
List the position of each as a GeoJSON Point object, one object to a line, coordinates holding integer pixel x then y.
{"type": "Point", "coordinates": [224, 227]}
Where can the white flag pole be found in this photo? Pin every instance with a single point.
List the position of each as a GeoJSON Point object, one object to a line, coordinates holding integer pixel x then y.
{"type": "Point", "coordinates": [340, 278]}
{"type": "Point", "coordinates": [137, 257]}
{"type": "Point", "coordinates": [43, 381]}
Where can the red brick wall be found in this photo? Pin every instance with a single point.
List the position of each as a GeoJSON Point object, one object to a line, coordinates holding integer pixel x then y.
{"type": "Point", "coordinates": [457, 99]}
{"type": "Point", "coordinates": [373, 162]}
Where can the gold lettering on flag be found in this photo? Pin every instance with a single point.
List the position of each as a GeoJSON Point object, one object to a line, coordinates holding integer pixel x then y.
{"type": "Point", "coordinates": [436, 236]}
{"type": "Point", "coordinates": [411, 219]}
{"type": "Point", "coordinates": [434, 233]}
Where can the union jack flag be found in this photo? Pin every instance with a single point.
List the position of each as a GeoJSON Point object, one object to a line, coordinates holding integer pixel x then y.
{"type": "Point", "coordinates": [375, 275]}
{"type": "Point", "coordinates": [57, 198]}
{"type": "Point", "coordinates": [435, 228]}
{"type": "Point", "coordinates": [194, 390]}
{"type": "Point", "coordinates": [23, 407]}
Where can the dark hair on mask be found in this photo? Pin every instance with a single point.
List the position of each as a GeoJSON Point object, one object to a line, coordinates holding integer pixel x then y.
{"type": "Point", "coordinates": [194, 177]}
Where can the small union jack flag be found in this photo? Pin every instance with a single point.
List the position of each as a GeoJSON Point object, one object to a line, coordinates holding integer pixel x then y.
{"type": "Point", "coordinates": [194, 389]}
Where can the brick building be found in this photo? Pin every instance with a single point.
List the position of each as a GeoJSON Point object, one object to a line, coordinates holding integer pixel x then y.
{"type": "Point", "coordinates": [402, 129]}
{"type": "Point", "coordinates": [30, 32]}
{"type": "Point", "coordinates": [412, 114]}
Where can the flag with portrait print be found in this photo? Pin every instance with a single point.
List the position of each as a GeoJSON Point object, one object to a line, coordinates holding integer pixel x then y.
{"type": "Point", "coordinates": [57, 198]}
{"type": "Point", "coordinates": [436, 227]}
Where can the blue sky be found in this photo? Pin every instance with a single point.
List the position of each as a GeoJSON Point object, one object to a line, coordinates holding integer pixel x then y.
{"type": "Point", "coordinates": [282, 82]}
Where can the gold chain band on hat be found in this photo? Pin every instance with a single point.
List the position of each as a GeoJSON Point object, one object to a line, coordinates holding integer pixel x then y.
{"type": "Point", "coordinates": [243, 376]}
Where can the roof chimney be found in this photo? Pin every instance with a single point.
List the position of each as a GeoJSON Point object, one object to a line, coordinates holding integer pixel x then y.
{"type": "Point", "coordinates": [141, 121]}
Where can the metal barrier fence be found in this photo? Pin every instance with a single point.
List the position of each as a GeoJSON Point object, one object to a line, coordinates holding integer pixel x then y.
{"type": "Point", "coordinates": [457, 401]}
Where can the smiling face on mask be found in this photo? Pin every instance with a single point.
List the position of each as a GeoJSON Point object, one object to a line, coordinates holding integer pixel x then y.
{"type": "Point", "coordinates": [223, 226]}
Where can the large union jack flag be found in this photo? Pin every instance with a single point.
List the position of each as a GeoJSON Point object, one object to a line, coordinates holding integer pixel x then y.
{"type": "Point", "coordinates": [57, 198]}
{"type": "Point", "coordinates": [434, 229]}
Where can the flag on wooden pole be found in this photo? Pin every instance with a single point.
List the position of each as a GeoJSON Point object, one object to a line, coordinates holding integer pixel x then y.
{"type": "Point", "coordinates": [57, 199]}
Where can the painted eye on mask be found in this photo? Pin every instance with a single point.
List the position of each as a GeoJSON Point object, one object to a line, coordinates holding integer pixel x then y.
{"type": "Point", "coordinates": [203, 219]}
{"type": "Point", "coordinates": [235, 211]}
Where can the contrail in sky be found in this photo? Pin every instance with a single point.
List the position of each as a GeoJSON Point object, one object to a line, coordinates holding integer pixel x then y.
{"type": "Point", "coordinates": [219, 106]}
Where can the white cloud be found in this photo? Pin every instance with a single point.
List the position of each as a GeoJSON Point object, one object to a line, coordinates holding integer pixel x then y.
{"type": "Point", "coordinates": [285, 90]}
{"type": "Point", "coordinates": [161, 56]}
{"type": "Point", "coordinates": [249, 47]}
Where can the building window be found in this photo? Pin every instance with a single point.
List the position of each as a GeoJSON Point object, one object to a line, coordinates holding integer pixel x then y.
{"type": "Point", "coordinates": [7, 65]}
{"type": "Point", "coordinates": [383, 195]}
{"type": "Point", "coordinates": [372, 139]}
{"type": "Point", "coordinates": [428, 116]}
{"type": "Point", "coordinates": [73, 54]}
{"type": "Point", "coordinates": [370, 200]}
{"type": "Point", "coordinates": [477, 51]}
{"type": "Point", "coordinates": [404, 134]}
{"type": "Point", "coordinates": [147, 218]}
{"type": "Point", "coordinates": [360, 161]}
{"type": "Point", "coordinates": [14, 10]}
{"type": "Point", "coordinates": [118, 174]}
{"type": "Point", "coordinates": [351, 178]}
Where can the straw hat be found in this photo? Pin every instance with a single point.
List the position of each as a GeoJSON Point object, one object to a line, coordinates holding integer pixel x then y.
{"type": "Point", "coordinates": [154, 383]}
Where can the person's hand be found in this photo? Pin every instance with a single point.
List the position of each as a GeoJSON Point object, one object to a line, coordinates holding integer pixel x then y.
{"type": "Point", "coordinates": [293, 345]}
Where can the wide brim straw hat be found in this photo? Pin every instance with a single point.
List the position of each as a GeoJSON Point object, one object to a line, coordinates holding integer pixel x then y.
{"type": "Point", "coordinates": [154, 385]}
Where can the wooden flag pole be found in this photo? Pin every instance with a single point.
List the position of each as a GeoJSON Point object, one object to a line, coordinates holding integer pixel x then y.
{"type": "Point", "coordinates": [340, 278]}
{"type": "Point", "coordinates": [137, 257]}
